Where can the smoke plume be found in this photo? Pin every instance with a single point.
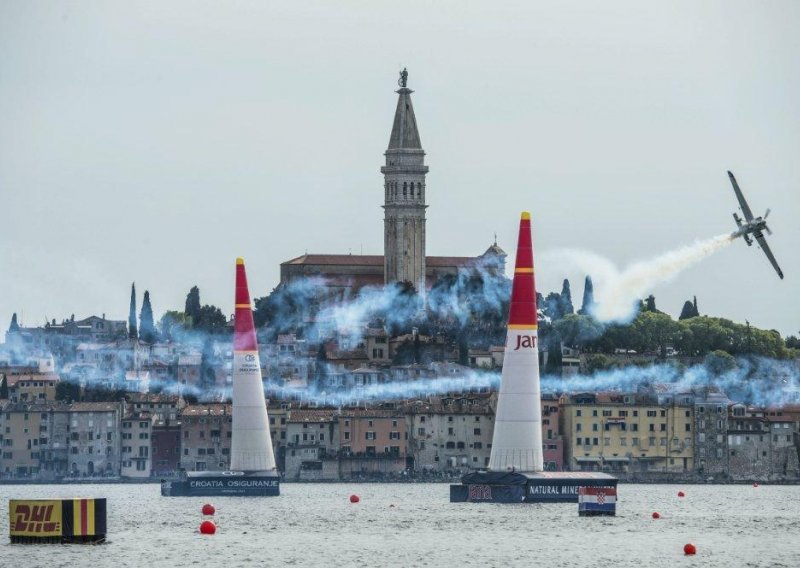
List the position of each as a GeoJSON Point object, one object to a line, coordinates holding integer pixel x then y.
{"type": "Point", "coordinates": [617, 292]}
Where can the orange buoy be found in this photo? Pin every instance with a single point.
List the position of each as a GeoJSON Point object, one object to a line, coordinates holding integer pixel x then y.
{"type": "Point", "coordinates": [681, 494]}
{"type": "Point", "coordinates": [208, 527]}
{"type": "Point", "coordinates": [656, 515]}
{"type": "Point", "coordinates": [354, 498]}
{"type": "Point", "coordinates": [689, 549]}
{"type": "Point", "coordinates": [209, 510]}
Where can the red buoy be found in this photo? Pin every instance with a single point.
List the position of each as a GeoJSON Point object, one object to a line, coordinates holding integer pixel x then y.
{"type": "Point", "coordinates": [755, 485]}
{"type": "Point", "coordinates": [656, 515]}
{"type": "Point", "coordinates": [354, 498]}
{"type": "Point", "coordinates": [208, 527]}
{"type": "Point", "coordinates": [689, 549]}
{"type": "Point", "coordinates": [209, 510]}
{"type": "Point", "coordinates": [681, 494]}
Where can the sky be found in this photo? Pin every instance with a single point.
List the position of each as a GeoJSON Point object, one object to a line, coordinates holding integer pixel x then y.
{"type": "Point", "coordinates": [157, 141]}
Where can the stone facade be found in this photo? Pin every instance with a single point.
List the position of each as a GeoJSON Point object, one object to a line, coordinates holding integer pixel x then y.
{"type": "Point", "coordinates": [94, 439]}
{"type": "Point", "coordinates": [206, 437]}
{"type": "Point", "coordinates": [450, 435]}
{"type": "Point", "coordinates": [760, 447]}
{"type": "Point", "coordinates": [137, 432]}
{"type": "Point", "coordinates": [166, 447]}
{"type": "Point", "coordinates": [313, 444]}
{"type": "Point", "coordinates": [711, 435]}
{"type": "Point", "coordinates": [33, 440]}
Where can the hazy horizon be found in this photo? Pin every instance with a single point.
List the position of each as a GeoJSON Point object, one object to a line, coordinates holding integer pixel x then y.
{"type": "Point", "coordinates": [156, 143]}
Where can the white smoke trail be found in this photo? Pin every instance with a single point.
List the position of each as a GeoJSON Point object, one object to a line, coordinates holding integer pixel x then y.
{"type": "Point", "coordinates": [617, 292]}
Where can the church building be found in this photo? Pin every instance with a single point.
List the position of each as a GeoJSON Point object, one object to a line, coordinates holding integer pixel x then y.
{"type": "Point", "coordinates": [404, 187]}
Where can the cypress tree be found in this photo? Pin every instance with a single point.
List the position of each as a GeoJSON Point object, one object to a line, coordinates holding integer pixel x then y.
{"type": "Point", "coordinates": [552, 306]}
{"type": "Point", "coordinates": [147, 329]}
{"type": "Point", "coordinates": [566, 299]}
{"type": "Point", "coordinates": [696, 313]}
{"type": "Point", "coordinates": [14, 327]}
{"type": "Point", "coordinates": [132, 331]}
{"type": "Point", "coordinates": [192, 308]}
{"type": "Point", "coordinates": [321, 365]}
{"type": "Point", "coordinates": [588, 297]}
{"type": "Point", "coordinates": [687, 311]}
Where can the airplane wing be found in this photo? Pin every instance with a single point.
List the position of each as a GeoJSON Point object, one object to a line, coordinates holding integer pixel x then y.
{"type": "Point", "coordinates": [742, 203]}
{"type": "Point", "coordinates": [762, 242]}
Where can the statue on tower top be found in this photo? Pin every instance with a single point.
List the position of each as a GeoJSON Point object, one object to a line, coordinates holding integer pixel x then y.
{"type": "Point", "coordinates": [403, 80]}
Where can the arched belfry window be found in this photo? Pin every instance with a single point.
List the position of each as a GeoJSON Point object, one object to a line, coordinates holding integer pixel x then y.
{"type": "Point", "coordinates": [404, 189]}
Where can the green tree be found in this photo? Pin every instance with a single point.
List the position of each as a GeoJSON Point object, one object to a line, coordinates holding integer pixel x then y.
{"type": "Point", "coordinates": [710, 334]}
{"type": "Point", "coordinates": [67, 391]}
{"type": "Point", "coordinates": [588, 297]}
{"type": "Point", "coordinates": [719, 362]}
{"type": "Point", "coordinates": [687, 311]}
{"type": "Point", "coordinates": [598, 362]}
{"type": "Point", "coordinates": [655, 331]}
{"type": "Point", "coordinates": [208, 376]}
{"type": "Point", "coordinates": [578, 330]}
{"type": "Point", "coordinates": [14, 327]}
{"type": "Point", "coordinates": [463, 348]}
{"type": "Point", "coordinates": [132, 331]}
{"type": "Point", "coordinates": [650, 303]}
{"type": "Point", "coordinates": [171, 324]}
{"type": "Point", "coordinates": [210, 319]}
{"type": "Point", "coordinates": [565, 300]}
{"type": "Point", "coordinates": [147, 329]}
{"type": "Point", "coordinates": [192, 307]}
{"type": "Point", "coordinates": [552, 306]}
{"type": "Point", "coordinates": [321, 364]}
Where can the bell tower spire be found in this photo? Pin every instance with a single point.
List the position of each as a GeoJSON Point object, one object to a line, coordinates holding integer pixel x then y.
{"type": "Point", "coordinates": [404, 196]}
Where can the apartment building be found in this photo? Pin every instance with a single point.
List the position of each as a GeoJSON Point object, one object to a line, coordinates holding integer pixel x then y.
{"type": "Point", "coordinates": [627, 433]}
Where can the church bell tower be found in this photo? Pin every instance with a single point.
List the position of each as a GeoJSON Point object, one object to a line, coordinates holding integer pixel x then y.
{"type": "Point", "coordinates": [404, 196]}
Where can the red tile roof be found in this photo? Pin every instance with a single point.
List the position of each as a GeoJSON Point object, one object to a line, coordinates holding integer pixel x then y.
{"type": "Point", "coordinates": [312, 416]}
{"type": "Point", "coordinates": [372, 260]}
{"type": "Point", "coordinates": [206, 410]}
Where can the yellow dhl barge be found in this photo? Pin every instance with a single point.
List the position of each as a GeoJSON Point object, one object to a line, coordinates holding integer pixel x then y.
{"type": "Point", "coordinates": [57, 521]}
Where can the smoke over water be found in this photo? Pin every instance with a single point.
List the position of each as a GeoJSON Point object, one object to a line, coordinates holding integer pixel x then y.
{"type": "Point", "coordinates": [617, 292]}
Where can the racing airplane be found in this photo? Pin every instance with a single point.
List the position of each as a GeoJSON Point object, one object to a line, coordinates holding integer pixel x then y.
{"type": "Point", "coordinates": [752, 226]}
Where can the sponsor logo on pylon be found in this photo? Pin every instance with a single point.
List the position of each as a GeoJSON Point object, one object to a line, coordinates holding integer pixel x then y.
{"type": "Point", "coordinates": [525, 342]}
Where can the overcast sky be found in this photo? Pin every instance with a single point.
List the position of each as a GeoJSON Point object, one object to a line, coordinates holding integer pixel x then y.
{"type": "Point", "coordinates": [157, 141]}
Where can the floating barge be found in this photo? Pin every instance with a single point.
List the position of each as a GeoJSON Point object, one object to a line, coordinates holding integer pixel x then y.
{"type": "Point", "coordinates": [524, 487]}
{"type": "Point", "coordinates": [253, 472]}
{"type": "Point", "coordinates": [57, 521]}
{"type": "Point", "coordinates": [218, 483]}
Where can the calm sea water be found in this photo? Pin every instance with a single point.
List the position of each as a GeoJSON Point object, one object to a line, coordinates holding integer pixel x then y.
{"type": "Point", "coordinates": [315, 525]}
